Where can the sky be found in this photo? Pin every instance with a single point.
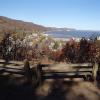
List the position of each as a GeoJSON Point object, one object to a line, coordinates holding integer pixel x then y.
{"type": "Point", "coordinates": [78, 14]}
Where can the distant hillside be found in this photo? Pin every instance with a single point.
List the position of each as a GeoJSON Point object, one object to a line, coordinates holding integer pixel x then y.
{"type": "Point", "coordinates": [20, 29]}
{"type": "Point", "coordinates": [7, 24]}
{"type": "Point", "coordinates": [19, 26]}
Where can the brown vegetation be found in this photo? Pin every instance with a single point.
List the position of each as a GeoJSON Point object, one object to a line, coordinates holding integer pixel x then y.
{"type": "Point", "coordinates": [84, 51]}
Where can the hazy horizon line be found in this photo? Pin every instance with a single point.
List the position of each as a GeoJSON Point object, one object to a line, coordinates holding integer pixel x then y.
{"type": "Point", "coordinates": [48, 26]}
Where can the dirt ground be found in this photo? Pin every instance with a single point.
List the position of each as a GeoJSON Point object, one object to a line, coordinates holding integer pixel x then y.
{"type": "Point", "coordinates": [49, 89]}
{"type": "Point", "coordinates": [68, 90]}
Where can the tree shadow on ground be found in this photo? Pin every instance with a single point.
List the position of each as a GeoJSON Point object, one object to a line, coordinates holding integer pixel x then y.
{"type": "Point", "coordinates": [57, 89]}
{"type": "Point", "coordinates": [12, 88]}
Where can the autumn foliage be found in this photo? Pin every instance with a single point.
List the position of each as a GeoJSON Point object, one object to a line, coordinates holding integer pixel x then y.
{"type": "Point", "coordinates": [78, 52]}
{"type": "Point", "coordinates": [73, 52]}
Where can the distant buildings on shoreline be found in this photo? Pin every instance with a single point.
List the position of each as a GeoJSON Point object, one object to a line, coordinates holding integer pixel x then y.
{"type": "Point", "coordinates": [98, 38]}
{"type": "Point", "coordinates": [67, 39]}
{"type": "Point", "coordinates": [75, 39]}
{"type": "Point", "coordinates": [76, 35]}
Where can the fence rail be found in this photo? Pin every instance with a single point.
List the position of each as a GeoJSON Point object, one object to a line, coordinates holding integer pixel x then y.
{"type": "Point", "coordinates": [87, 70]}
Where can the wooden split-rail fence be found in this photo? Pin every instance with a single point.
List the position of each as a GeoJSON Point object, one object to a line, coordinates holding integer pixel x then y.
{"type": "Point", "coordinates": [86, 70]}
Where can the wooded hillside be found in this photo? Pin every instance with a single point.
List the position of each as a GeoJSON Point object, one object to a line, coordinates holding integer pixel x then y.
{"type": "Point", "coordinates": [7, 24]}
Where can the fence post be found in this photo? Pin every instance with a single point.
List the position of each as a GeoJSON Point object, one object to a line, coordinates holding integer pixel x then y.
{"type": "Point", "coordinates": [39, 73]}
{"type": "Point", "coordinates": [94, 72]}
{"type": "Point", "coordinates": [27, 71]}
